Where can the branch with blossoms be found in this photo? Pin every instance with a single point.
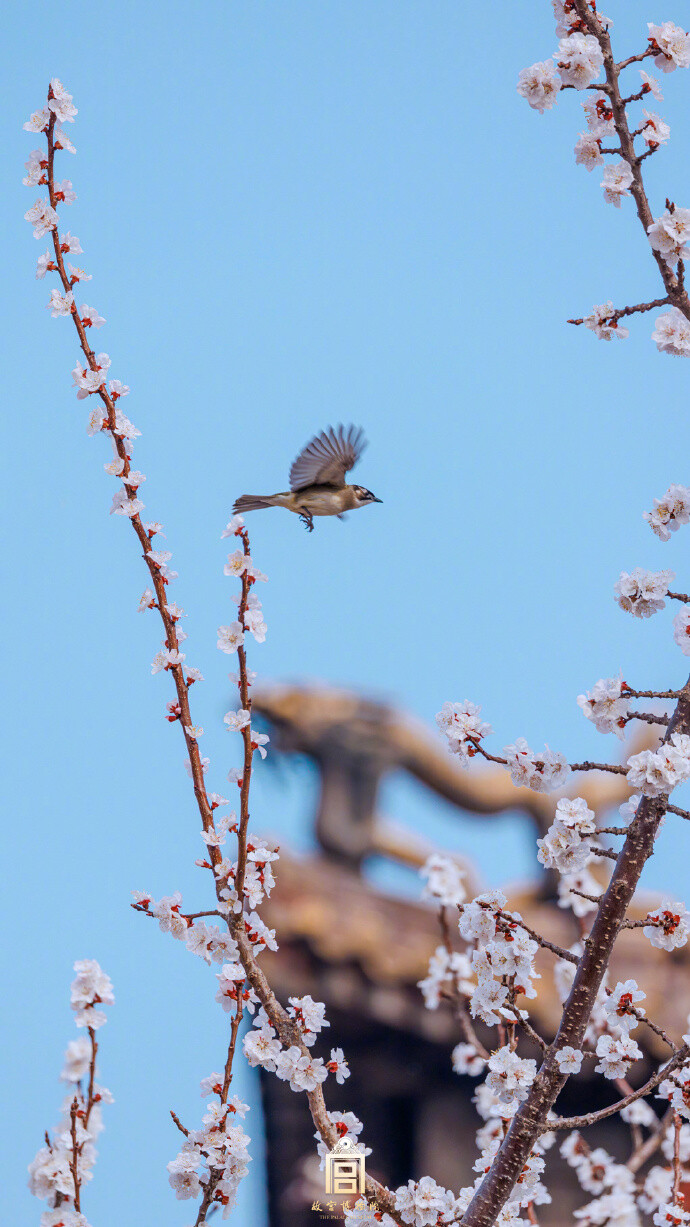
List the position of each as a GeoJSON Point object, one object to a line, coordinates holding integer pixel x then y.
{"type": "Point", "coordinates": [496, 972]}
{"type": "Point", "coordinates": [65, 1164]}
{"type": "Point", "coordinates": [213, 1159]}
{"type": "Point", "coordinates": [491, 977]}
{"type": "Point", "coordinates": [584, 53]}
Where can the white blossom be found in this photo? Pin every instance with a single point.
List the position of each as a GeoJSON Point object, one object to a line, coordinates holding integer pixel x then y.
{"type": "Point", "coordinates": [232, 528]}
{"type": "Point", "coordinates": [65, 192]}
{"type": "Point", "coordinates": [42, 217]}
{"type": "Point", "coordinates": [638, 1113]}
{"type": "Point", "coordinates": [564, 846]}
{"type": "Point", "coordinates": [659, 772]}
{"type": "Point", "coordinates": [622, 1003]}
{"type": "Point", "coordinates": [656, 131]}
{"type": "Point", "coordinates": [445, 969]}
{"type": "Point", "coordinates": [90, 986]}
{"type": "Point", "coordinates": [61, 102]}
{"type": "Point", "coordinates": [545, 772]}
{"type": "Point", "coordinates": [477, 921]}
{"type": "Point", "coordinates": [167, 912]}
{"type": "Point", "coordinates": [672, 333]}
{"type": "Point", "coordinates": [461, 722]}
{"type": "Point", "coordinates": [38, 121]}
{"type": "Point", "coordinates": [36, 168]}
{"type": "Point", "coordinates": [652, 85]}
{"type": "Point", "coordinates": [673, 44]}
{"type": "Point", "coordinates": [183, 1173]}
{"type": "Point", "coordinates": [579, 59]}
{"type": "Point", "coordinates": [588, 153]}
{"type": "Point", "coordinates": [539, 86]}
{"type": "Point", "coordinates": [616, 182]}
{"type": "Point", "coordinates": [628, 809]}
{"type": "Point", "coordinates": [230, 638]}
{"type": "Point", "coordinates": [78, 274]}
{"type": "Point", "coordinates": [670, 512]}
{"type": "Point", "coordinates": [466, 1060]}
{"type": "Point", "coordinates": [668, 926]}
{"type": "Point", "coordinates": [70, 242]}
{"type": "Point", "coordinates": [510, 1076]}
{"type": "Point", "coordinates": [671, 1215]}
{"type": "Point", "coordinates": [443, 880]}
{"type": "Point", "coordinates": [677, 1090]}
{"type": "Point", "coordinates": [338, 1066]}
{"type": "Point", "coordinates": [88, 380]}
{"type": "Point", "coordinates": [310, 1014]}
{"type": "Point", "coordinates": [304, 1073]}
{"type": "Point", "coordinates": [123, 505]}
{"type": "Point", "coordinates": [616, 1054]}
{"type": "Point", "coordinates": [262, 1047]}
{"type": "Point", "coordinates": [77, 1059]}
{"type": "Point", "coordinates": [60, 304]}
{"type": "Point", "coordinates": [44, 264]}
{"type": "Point", "coordinates": [669, 234]}
{"type": "Point", "coordinates": [423, 1202]}
{"type": "Point", "coordinates": [606, 706]}
{"type": "Point", "coordinates": [600, 323]}
{"type": "Point", "coordinates": [681, 630]}
{"type": "Point", "coordinates": [641, 592]}
{"type": "Point", "coordinates": [599, 116]}
{"type": "Point", "coordinates": [569, 1060]}
{"type": "Point", "coordinates": [90, 317]}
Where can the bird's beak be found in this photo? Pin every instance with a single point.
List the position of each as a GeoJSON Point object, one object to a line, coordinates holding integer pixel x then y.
{"type": "Point", "coordinates": [377, 500]}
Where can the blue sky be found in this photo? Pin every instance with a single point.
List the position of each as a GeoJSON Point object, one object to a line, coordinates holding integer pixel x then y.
{"type": "Point", "coordinates": [296, 214]}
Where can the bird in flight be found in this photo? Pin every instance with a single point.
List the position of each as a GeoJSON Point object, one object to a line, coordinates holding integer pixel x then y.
{"type": "Point", "coordinates": [317, 479]}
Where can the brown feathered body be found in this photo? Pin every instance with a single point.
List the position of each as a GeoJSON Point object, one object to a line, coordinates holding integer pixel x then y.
{"type": "Point", "coordinates": [317, 479]}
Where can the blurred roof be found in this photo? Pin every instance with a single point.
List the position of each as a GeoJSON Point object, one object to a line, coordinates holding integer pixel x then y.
{"type": "Point", "coordinates": [361, 949]}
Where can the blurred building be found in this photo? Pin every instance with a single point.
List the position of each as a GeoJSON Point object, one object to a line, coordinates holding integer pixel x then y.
{"type": "Point", "coordinates": [362, 951]}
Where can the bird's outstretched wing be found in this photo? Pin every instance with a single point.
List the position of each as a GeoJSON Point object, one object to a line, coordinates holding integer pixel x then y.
{"type": "Point", "coordinates": [328, 457]}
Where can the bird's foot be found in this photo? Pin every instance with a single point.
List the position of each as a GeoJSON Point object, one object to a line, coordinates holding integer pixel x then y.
{"type": "Point", "coordinates": [308, 521]}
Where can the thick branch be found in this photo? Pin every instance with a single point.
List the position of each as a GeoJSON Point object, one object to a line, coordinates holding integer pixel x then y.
{"type": "Point", "coordinates": [530, 1118]}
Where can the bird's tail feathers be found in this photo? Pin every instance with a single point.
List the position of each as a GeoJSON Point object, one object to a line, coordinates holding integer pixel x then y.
{"type": "Point", "coordinates": [252, 502]}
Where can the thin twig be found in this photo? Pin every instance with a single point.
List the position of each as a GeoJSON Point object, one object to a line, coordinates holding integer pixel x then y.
{"type": "Point", "coordinates": [287, 1030]}
{"type": "Point", "coordinates": [615, 768]}
{"type": "Point", "coordinates": [620, 312]}
{"type": "Point", "coordinates": [74, 1160]}
{"type": "Point", "coordinates": [591, 1118]}
{"type": "Point", "coordinates": [559, 950]}
{"type": "Point", "coordinates": [179, 1124]}
{"type": "Point", "coordinates": [640, 1156]}
{"type": "Point", "coordinates": [650, 694]}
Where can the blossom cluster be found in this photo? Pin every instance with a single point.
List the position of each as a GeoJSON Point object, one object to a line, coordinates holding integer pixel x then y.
{"type": "Point", "coordinates": [216, 1154]}
{"type": "Point", "coordinates": [577, 64]}
{"type": "Point", "coordinates": [660, 771]}
{"type": "Point", "coordinates": [502, 958]}
{"type": "Point", "coordinates": [65, 1164]}
{"type": "Point", "coordinates": [291, 1064]}
{"type": "Point", "coordinates": [566, 845]}
{"type": "Point", "coordinates": [606, 705]}
{"type": "Point", "coordinates": [544, 772]}
{"type": "Point", "coordinates": [463, 727]}
{"type": "Point", "coordinates": [670, 512]}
